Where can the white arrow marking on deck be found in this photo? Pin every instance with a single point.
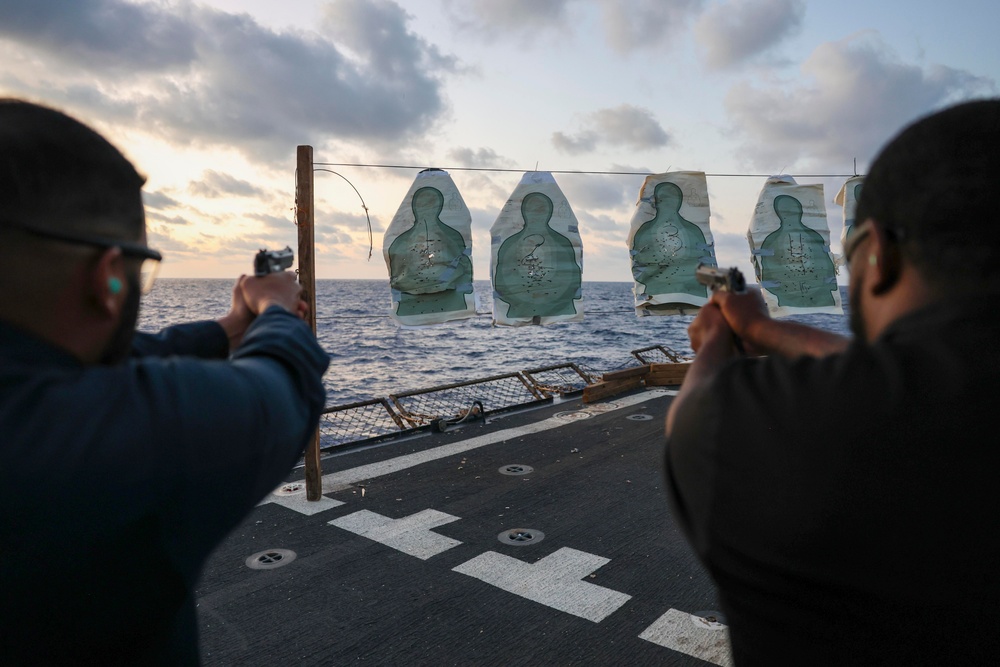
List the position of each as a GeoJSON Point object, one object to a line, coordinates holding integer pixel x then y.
{"type": "Point", "coordinates": [336, 480]}
{"type": "Point", "coordinates": [691, 635]}
{"type": "Point", "coordinates": [412, 534]}
{"type": "Point", "coordinates": [553, 581]}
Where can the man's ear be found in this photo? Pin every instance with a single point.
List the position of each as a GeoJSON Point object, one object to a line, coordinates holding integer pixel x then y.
{"type": "Point", "coordinates": [108, 287]}
{"type": "Point", "coordinates": [885, 261]}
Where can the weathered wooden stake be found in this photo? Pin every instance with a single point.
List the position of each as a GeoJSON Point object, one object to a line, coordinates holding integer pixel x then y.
{"type": "Point", "coordinates": [304, 218]}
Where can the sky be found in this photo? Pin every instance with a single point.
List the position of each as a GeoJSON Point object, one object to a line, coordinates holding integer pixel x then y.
{"type": "Point", "coordinates": [210, 98]}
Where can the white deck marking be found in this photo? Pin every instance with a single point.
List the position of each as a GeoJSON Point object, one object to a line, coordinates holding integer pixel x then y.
{"type": "Point", "coordinates": [335, 480]}
{"type": "Point", "coordinates": [691, 635]}
{"type": "Point", "coordinates": [299, 503]}
{"type": "Point", "coordinates": [412, 534]}
{"type": "Point", "coordinates": [553, 581]}
{"type": "Point", "coordinates": [302, 505]}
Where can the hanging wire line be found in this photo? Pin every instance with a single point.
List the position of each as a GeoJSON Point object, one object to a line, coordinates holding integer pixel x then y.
{"type": "Point", "coordinates": [319, 166]}
{"type": "Point", "coordinates": [478, 314]}
{"type": "Point", "coordinates": [371, 242]}
{"type": "Point", "coordinates": [561, 171]}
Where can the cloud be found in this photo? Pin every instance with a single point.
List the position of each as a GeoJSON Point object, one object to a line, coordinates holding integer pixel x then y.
{"type": "Point", "coordinates": [479, 158]}
{"type": "Point", "coordinates": [376, 31]}
{"type": "Point", "coordinates": [730, 244]}
{"type": "Point", "coordinates": [733, 250]}
{"type": "Point", "coordinates": [583, 142]}
{"type": "Point", "coordinates": [857, 95]}
{"type": "Point", "coordinates": [603, 226]}
{"type": "Point", "coordinates": [158, 200]}
{"type": "Point", "coordinates": [160, 237]}
{"type": "Point", "coordinates": [624, 125]}
{"type": "Point", "coordinates": [523, 19]}
{"type": "Point", "coordinates": [598, 192]}
{"type": "Point", "coordinates": [338, 222]}
{"type": "Point", "coordinates": [103, 33]}
{"type": "Point", "coordinates": [483, 195]}
{"type": "Point", "coordinates": [341, 236]}
{"type": "Point", "coordinates": [239, 247]}
{"type": "Point", "coordinates": [629, 25]}
{"type": "Point", "coordinates": [483, 218]}
{"type": "Point", "coordinates": [629, 169]}
{"type": "Point", "coordinates": [224, 79]}
{"type": "Point", "coordinates": [175, 220]}
{"type": "Point", "coordinates": [214, 185]}
{"type": "Point", "coordinates": [633, 25]}
{"type": "Point", "coordinates": [735, 31]}
{"type": "Point", "coordinates": [275, 222]}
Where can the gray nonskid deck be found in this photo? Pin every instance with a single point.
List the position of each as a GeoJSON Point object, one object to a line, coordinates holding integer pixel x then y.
{"type": "Point", "coordinates": [410, 558]}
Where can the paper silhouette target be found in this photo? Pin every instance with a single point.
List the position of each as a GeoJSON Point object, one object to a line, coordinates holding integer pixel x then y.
{"type": "Point", "coordinates": [428, 249]}
{"type": "Point", "coordinates": [537, 256]}
{"type": "Point", "coordinates": [848, 199]}
{"type": "Point", "coordinates": [790, 249]}
{"type": "Point", "coordinates": [669, 236]}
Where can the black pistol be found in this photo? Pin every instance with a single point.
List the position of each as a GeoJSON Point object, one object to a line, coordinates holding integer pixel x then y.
{"type": "Point", "coordinates": [272, 261]}
{"type": "Point", "coordinates": [727, 280]}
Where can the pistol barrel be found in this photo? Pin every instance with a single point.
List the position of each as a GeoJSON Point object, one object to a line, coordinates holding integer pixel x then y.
{"type": "Point", "coordinates": [728, 280]}
{"type": "Point", "coordinates": [272, 261]}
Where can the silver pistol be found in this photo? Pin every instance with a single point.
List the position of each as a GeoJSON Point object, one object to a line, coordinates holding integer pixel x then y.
{"type": "Point", "coordinates": [272, 261]}
{"type": "Point", "coordinates": [727, 280]}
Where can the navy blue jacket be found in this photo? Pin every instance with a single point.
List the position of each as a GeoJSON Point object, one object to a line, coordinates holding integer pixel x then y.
{"type": "Point", "coordinates": [117, 482]}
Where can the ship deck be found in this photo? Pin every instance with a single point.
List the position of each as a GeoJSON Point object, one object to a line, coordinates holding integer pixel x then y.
{"type": "Point", "coordinates": [538, 537]}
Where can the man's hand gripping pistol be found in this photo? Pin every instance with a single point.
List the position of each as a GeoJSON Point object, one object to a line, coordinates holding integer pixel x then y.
{"type": "Point", "coordinates": [267, 262]}
{"type": "Point", "coordinates": [723, 280]}
{"type": "Point", "coordinates": [726, 280]}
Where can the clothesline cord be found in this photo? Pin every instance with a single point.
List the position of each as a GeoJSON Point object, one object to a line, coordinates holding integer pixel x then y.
{"type": "Point", "coordinates": [560, 171]}
{"type": "Point", "coordinates": [485, 314]}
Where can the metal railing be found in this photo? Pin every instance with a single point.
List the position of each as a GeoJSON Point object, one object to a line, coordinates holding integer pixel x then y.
{"type": "Point", "coordinates": [658, 354]}
{"type": "Point", "coordinates": [436, 407]}
{"type": "Point", "coordinates": [499, 392]}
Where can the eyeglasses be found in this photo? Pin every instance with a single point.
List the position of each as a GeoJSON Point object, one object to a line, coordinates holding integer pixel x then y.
{"type": "Point", "coordinates": [150, 258]}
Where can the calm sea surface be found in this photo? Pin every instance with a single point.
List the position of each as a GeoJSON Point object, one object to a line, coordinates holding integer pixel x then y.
{"type": "Point", "coordinates": [370, 356]}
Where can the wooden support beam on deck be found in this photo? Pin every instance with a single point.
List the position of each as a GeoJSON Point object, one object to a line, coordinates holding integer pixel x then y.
{"type": "Point", "coordinates": [602, 390]}
{"type": "Point", "coordinates": [624, 374]}
{"type": "Point", "coordinates": [650, 375]}
{"type": "Point", "coordinates": [304, 219]}
{"type": "Point", "coordinates": [665, 375]}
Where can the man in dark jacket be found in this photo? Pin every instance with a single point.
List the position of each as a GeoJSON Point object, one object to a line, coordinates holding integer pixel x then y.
{"type": "Point", "coordinates": [124, 458]}
{"type": "Point", "coordinates": [843, 493]}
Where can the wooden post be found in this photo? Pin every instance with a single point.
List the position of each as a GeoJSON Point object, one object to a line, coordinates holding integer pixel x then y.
{"type": "Point", "coordinates": [304, 219]}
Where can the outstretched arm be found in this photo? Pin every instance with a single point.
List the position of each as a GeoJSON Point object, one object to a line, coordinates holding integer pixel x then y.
{"type": "Point", "coordinates": [712, 340]}
{"type": "Point", "coordinates": [215, 339]}
{"type": "Point", "coordinates": [729, 315]}
{"type": "Point", "coordinates": [747, 316]}
{"type": "Point", "coordinates": [239, 317]}
{"type": "Point", "coordinates": [253, 295]}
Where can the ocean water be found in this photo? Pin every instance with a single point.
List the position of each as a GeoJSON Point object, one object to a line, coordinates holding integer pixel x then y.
{"type": "Point", "coordinates": [371, 356]}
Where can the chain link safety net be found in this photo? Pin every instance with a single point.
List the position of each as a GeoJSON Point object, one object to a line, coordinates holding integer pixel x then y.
{"type": "Point", "coordinates": [383, 418]}
{"type": "Point", "coordinates": [657, 354]}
